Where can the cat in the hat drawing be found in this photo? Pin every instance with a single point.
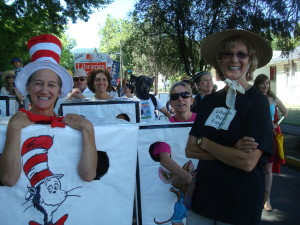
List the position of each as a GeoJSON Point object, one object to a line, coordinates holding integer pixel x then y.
{"type": "Point", "coordinates": [45, 191]}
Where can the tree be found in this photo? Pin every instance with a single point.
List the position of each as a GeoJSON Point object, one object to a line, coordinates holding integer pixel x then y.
{"type": "Point", "coordinates": [187, 22]}
{"type": "Point", "coordinates": [67, 58]}
{"type": "Point", "coordinates": [23, 19]}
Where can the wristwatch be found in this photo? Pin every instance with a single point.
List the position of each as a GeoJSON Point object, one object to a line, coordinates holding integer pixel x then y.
{"type": "Point", "coordinates": [199, 140]}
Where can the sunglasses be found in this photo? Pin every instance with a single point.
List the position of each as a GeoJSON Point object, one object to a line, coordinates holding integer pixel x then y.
{"type": "Point", "coordinates": [181, 94]}
{"type": "Point", "coordinates": [10, 77]}
{"type": "Point", "coordinates": [78, 79]}
{"type": "Point", "coordinates": [239, 55]}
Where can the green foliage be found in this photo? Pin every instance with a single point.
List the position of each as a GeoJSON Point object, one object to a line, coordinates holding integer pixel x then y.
{"type": "Point", "coordinates": [20, 20]}
{"type": "Point", "coordinates": [67, 58]}
{"type": "Point", "coordinates": [188, 22]}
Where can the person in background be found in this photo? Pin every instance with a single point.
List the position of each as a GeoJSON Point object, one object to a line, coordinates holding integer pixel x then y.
{"type": "Point", "coordinates": [262, 83]}
{"type": "Point", "coordinates": [80, 90]}
{"type": "Point", "coordinates": [99, 82]}
{"type": "Point", "coordinates": [128, 91]}
{"type": "Point", "coordinates": [44, 82]}
{"type": "Point", "coordinates": [204, 83]}
{"type": "Point", "coordinates": [9, 88]}
{"type": "Point", "coordinates": [113, 91]}
{"type": "Point", "coordinates": [17, 64]}
{"type": "Point", "coordinates": [231, 134]}
{"type": "Point", "coordinates": [149, 103]}
{"type": "Point", "coordinates": [181, 99]}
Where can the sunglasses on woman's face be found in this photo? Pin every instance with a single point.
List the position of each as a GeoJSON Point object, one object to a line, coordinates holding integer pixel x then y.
{"type": "Point", "coordinates": [11, 77]}
{"type": "Point", "coordinates": [78, 79]}
{"type": "Point", "coordinates": [239, 55]}
{"type": "Point", "coordinates": [181, 94]}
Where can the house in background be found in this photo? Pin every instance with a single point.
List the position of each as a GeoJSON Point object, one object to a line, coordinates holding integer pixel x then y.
{"type": "Point", "coordinates": [284, 73]}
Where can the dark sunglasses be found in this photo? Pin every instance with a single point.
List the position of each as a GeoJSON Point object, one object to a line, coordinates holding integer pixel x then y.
{"type": "Point", "coordinates": [10, 77]}
{"type": "Point", "coordinates": [77, 79]}
{"type": "Point", "coordinates": [239, 55]}
{"type": "Point", "coordinates": [181, 94]}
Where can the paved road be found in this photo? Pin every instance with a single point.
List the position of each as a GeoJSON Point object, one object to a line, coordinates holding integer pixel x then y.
{"type": "Point", "coordinates": [290, 129]}
{"type": "Point", "coordinates": [285, 199]}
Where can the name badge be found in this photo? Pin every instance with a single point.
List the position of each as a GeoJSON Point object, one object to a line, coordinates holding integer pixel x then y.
{"type": "Point", "coordinates": [220, 118]}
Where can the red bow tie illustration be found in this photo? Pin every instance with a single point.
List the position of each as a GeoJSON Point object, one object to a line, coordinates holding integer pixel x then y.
{"type": "Point", "coordinates": [54, 121]}
{"type": "Point", "coordinates": [61, 221]}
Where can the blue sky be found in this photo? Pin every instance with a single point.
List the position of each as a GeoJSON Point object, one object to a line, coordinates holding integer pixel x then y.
{"type": "Point", "coordinates": [86, 34]}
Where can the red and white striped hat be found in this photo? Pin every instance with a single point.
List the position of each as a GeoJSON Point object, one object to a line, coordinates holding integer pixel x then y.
{"type": "Point", "coordinates": [45, 51]}
{"type": "Point", "coordinates": [35, 159]}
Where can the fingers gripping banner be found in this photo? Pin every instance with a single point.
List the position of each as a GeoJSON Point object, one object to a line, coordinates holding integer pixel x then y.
{"type": "Point", "coordinates": [50, 190]}
{"type": "Point", "coordinates": [158, 193]}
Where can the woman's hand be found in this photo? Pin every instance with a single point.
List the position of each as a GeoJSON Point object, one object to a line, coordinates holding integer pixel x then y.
{"type": "Point", "coordinates": [19, 120]}
{"type": "Point", "coordinates": [246, 144]}
{"type": "Point", "coordinates": [275, 126]}
{"type": "Point", "coordinates": [88, 160]}
{"type": "Point", "coordinates": [76, 121]}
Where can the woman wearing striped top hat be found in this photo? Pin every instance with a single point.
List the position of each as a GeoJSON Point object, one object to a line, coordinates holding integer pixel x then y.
{"type": "Point", "coordinates": [44, 81]}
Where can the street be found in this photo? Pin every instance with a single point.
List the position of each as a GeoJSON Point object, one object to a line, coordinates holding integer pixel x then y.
{"type": "Point", "coordinates": [285, 199]}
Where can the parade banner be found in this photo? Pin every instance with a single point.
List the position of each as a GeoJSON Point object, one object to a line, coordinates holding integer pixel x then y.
{"type": "Point", "coordinates": [157, 201]}
{"type": "Point", "coordinates": [92, 61]}
{"type": "Point", "coordinates": [104, 109]}
{"type": "Point", "coordinates": [115, 73]}
{"type": "Point", "coordinates": [50, 190]}
{"type": "Point", "coordinates": [8, 105]}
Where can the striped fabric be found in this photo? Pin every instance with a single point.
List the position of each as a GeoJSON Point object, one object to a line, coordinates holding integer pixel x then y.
{"type": "Point", "coordinates": [45, 47]}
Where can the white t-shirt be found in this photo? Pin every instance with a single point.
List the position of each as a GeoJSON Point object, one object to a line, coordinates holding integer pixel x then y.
{"type": "Point", "coordinates": [88, 93]}
{"type": "Point", "coordinates": [147, 109]}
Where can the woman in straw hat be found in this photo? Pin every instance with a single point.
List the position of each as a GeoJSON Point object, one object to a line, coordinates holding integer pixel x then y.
{"type": "Point", "coordinates": [231, 134]}
{"type": "Point", "coordinates": [9, 88]}
{"type": "Point", "coordinates": [44, 81]}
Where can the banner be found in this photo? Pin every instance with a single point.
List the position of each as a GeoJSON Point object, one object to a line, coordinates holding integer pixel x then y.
{"type": "Point", "coordinates": [92, 61]}
{"type": "Point", "coordinates": [50, 190]}
{"type": "Point", "coordinates": [104, 109]}
{"type": "Point", "coordinates": [156, 201]}
{"type": "Point", "coordinates": [115, 73]}
{"type": "Point", "coordinates": [8, 105]}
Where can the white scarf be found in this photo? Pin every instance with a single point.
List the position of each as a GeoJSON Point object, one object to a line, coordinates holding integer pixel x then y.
{"type": "Point", "coordinates": [233, 87]}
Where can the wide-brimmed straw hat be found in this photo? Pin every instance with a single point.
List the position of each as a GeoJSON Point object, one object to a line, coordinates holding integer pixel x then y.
{"type": "Point", "coordinates": [80, 73]}
{"type": "Point", "coordinates": [211, 45]}
{"type": "Point", "coordinates": [6, 73]}
{"type": "Point", "coordinates": [45, 51]}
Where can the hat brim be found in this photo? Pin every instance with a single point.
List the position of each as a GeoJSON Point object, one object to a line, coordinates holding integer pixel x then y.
{"type": "Point", "coordinates": [211, 46]}
{"type": "Point", "coordinates": [29, 69]}
{"type": "Point", "coordinates": [198, 75]}
{"type": "Point", "coordinates": [6, 73]}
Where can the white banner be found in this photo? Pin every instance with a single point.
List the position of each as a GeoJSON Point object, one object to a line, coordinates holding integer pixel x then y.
{"type": "Point", "coordinates": [8, 105]}
{"type": "Point", "coordinates": [157, 202]}
{"type": "Point", "coordinates": [50, 190]}
{"type": "Point", "coordinates": [104, 109]}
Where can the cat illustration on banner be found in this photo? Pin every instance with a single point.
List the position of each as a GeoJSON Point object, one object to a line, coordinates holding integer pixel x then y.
{"type": "Point", "coordinates": [179, 187]}
{"type": "Point", "coordinates": [45, 192]}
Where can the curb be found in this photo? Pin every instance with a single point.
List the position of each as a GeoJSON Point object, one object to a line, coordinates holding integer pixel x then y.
{"type": "Point", "coordinates": [292, 162]}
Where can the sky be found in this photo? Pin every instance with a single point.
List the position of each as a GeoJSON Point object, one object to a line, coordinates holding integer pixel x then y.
{"type": "Point", "coordinates": [86, 34]}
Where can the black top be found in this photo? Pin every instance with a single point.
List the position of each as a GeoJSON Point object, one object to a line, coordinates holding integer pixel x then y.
{"type": "Point", "coordinates": [223, 192]}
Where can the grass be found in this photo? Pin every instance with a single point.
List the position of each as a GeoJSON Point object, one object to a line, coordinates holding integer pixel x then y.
{"type": "Point", "coordinates": [293, 116]}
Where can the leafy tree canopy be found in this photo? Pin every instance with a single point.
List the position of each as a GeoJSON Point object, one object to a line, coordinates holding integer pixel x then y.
{"type": "Point", "coordinates": [188, 22]}
{"type": "Point", "coordinates": [22, 19]}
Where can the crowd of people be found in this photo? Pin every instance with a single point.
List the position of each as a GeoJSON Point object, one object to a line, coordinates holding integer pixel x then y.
{"type": "Point", "coordinates": [232, 134]}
